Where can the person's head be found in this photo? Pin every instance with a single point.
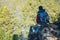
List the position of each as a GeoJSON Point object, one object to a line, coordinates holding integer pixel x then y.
{"type": "Point", "coordinates": [40, 7]}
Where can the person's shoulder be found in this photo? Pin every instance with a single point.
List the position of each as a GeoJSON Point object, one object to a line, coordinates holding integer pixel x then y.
{"type": "Point", "coordinates": [41, 11]}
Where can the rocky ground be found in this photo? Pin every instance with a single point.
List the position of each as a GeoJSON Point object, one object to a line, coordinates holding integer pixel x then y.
{"type": "Point", "coordinates": [49, 32]}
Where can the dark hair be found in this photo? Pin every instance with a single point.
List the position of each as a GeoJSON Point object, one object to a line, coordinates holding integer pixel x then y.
{"type": "Point", "coordinates": [40, 7]}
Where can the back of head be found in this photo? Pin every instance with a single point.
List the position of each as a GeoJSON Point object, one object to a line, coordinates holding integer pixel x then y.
{"type": "Point", "coordinates": [40, 7]}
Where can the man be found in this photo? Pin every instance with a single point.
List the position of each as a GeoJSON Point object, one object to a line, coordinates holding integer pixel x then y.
{"type": "Point", "coordinates": [42, 16]}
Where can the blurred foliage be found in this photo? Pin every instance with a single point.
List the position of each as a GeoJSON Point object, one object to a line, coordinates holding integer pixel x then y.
{"type": "Point", "coordinates": [17, 16]}
{"type": "Point", "coordinates": [3, 35]}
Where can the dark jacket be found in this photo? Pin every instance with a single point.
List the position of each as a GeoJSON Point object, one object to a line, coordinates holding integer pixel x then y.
{"type": "Point", "coordinates": [43, 17]}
